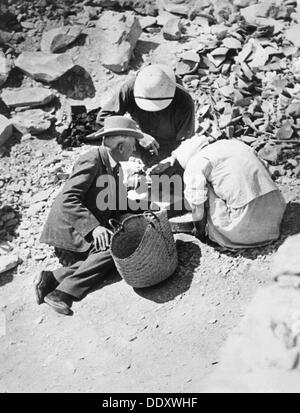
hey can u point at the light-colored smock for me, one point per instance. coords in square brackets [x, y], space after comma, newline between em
[245, 208]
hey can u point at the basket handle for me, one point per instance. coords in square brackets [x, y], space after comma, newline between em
[149, 212]
[116, 225]
[169, 245]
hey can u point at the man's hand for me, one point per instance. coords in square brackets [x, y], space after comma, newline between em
[102, 237]
[148, 142]
[161, 167]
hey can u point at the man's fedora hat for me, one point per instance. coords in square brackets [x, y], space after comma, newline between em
[117, 125]
[155, 87]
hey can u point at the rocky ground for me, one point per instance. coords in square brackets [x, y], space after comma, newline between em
[242, 67]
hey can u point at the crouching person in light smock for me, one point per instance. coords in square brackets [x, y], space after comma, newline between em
[230, 191]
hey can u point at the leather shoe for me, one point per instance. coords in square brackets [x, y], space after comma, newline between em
[60, 302]
[44, 284]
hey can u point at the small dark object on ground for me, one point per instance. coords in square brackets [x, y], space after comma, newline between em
[83, 123]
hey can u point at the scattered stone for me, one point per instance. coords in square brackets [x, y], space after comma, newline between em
[4, 69]
[163, 17]
[242, 3]
[26, 137]
[173, 29]
[285, 132]
[248, 139]
[6, 129]
[297, 171]
[189, 62]
[197, 10]
[293, 110]
[276, 171]
[5, 37]
[119, 34]
[292, 34]
[28, 25]
[44, 67]
[232, 43]
[271, 153]
[28, 97]
[91, 12]
[214, 321]
[259, 57]
[5, 247]
[59, 38]
[147, 21]
[34, 121]
[34, 209]
[8, 262]
[182, 7]
[254, 13]
[39, 320]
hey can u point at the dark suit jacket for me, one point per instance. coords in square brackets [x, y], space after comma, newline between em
[75, 214]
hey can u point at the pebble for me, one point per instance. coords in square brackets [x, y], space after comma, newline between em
[212, 321]
[39, 320]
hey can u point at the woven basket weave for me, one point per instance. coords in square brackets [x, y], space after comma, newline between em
[143, 249]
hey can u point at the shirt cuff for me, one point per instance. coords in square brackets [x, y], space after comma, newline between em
[195, 197]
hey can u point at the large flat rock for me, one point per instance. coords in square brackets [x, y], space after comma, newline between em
[44, 67]
[118, 35]
[32, 97]
[59, 38]
[34, 121]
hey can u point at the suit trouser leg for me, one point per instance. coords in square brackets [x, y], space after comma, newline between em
[82, 276]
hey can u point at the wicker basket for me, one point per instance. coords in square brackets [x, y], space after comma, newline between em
[143, 249]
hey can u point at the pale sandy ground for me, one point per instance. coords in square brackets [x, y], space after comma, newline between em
[163, 339]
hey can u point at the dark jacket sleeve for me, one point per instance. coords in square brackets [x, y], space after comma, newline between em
[185, 118]
[118, 104]
[84, 173]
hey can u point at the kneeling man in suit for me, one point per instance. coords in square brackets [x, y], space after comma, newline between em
[77, 225]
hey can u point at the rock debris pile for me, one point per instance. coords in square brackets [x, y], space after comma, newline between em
[239, 59]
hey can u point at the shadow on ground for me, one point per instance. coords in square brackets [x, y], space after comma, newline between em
[142, 49]
[80, 41]
[6, 278]
[76, 84]
[15, 78]
[290, 226]
[291, 219]
[189, 255]
[15, 139]
[112, 278]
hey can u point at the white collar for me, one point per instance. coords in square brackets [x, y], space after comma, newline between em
[112, 162]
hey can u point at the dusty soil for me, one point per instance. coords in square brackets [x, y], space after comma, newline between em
[163, 339]
[160, 339]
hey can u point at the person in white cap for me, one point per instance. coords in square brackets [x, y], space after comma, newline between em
[163, 110]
